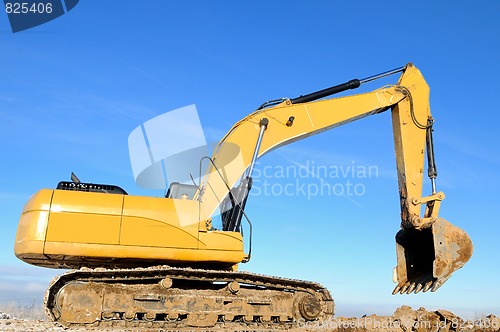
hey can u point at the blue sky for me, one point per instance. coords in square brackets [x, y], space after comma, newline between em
[72, 90]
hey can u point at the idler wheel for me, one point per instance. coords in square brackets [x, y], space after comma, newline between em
[308, 306]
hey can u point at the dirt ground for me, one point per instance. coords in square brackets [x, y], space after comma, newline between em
[403, 319]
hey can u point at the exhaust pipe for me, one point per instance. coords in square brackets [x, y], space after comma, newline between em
[428, 257]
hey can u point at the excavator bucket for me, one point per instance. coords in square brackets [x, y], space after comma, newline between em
[428, 257]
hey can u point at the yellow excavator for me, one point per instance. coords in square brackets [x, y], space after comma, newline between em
[158, 261]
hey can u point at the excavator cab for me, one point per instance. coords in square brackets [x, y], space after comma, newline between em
[428, 257]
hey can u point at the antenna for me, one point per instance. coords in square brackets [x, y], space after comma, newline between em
[75, 178]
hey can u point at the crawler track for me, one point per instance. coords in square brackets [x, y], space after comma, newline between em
[168, 297]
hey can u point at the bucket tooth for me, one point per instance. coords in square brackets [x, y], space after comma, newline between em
[411, 288]
[404, 288]
[419, 287]
[428, 257]
[427, 286]
[396, 290]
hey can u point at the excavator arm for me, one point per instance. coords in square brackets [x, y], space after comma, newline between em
[429, 249]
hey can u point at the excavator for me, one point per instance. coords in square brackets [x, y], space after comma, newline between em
[138, 261]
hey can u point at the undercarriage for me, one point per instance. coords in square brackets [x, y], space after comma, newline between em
[168, 297]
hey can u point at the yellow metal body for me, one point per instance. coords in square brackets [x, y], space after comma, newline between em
[72, 229]
[69, 229]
